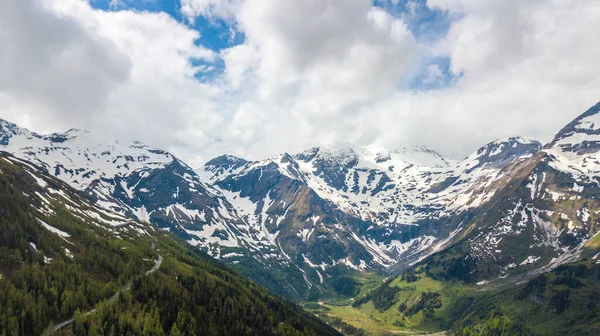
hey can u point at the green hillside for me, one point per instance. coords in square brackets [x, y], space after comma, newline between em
[565, 301]
[64, 270]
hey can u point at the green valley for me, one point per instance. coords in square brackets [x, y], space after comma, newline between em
[564, 301]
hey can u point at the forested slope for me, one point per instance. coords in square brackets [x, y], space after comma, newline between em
[61, 258]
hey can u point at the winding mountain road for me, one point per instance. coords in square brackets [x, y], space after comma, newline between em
[125, 288]
[157, 264]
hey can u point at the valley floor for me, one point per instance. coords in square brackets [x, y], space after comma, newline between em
[372, 322]
[367, 319]
[564, 301]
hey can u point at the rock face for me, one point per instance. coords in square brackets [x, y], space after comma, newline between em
[133, 180]
[299, 223]
[582, 135]
[542, 217]
[364, 207]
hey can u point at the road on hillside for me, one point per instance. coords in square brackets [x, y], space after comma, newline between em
[125, 288]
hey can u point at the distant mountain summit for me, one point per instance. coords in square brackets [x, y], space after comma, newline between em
[503, 151]
[371, 206]
[582, 135]
[402, 205]
[543, 215]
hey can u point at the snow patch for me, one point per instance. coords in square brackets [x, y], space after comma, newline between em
[529, 260]
[52, 229]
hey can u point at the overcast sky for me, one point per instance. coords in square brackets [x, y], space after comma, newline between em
[259, 77]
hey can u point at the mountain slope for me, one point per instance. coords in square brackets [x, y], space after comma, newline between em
[60, 254]
[545, 215]
[141, 183]
[364, 208]
[540, 219]
[561, 302]
[134, 180]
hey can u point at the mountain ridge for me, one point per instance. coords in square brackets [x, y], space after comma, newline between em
[307, 217]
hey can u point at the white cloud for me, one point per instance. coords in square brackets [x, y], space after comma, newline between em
[116, 4]
[309, 72]
[528, 68]
[322, 71]
[223, 9]
[434, 75]
[126, 74]
[45, 61]
[309, 65]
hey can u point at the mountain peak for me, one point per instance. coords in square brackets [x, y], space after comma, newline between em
[339, 153]
[423, 155]
[344, 153]
[5, 124]
[220, 165]
[582, 135]
[75, 132]
[502, 150]
[8, 130]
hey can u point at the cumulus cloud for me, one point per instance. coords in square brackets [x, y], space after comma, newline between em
[46, 61]
[125, 74]
[308, 72]
[323, 71]
[223, 9]
[308, 80]
[528, 69]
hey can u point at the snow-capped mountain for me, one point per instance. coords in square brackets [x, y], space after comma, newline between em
[510, 208]
[147, 184]
[390, 188]
[582, 135]
[49, 196]
[297, 222]
[364, 207]
[133, 180]
[545, 215]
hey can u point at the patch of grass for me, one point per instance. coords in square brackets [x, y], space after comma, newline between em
[369, 281]
[448, 297]
[370, 319]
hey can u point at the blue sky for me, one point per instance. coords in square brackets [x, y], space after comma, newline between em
[427, 26]
[215, 33]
